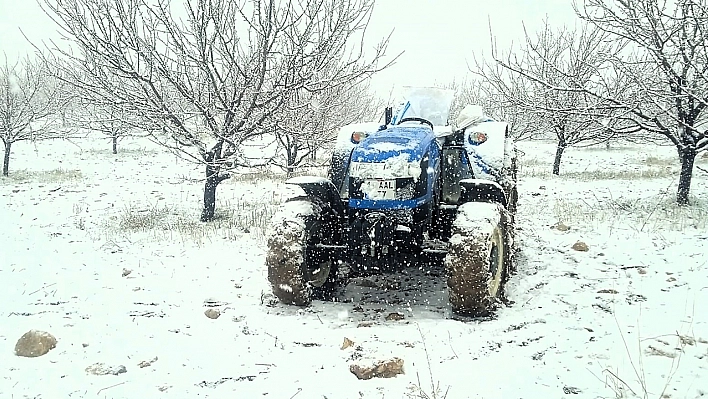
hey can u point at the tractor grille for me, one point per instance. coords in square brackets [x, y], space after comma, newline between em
[405, 188]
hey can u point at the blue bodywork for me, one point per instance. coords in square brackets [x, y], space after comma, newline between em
[418, 142]
[411, 140]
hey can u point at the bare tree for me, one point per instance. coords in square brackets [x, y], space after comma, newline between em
[310, 121]
[669, 75]
[213, 80]
[30, 103]
[109, 119]
[561, 58]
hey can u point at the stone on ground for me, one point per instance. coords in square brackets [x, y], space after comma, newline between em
[581, 246]
[35, 343]
[103, 369]
[382, 369]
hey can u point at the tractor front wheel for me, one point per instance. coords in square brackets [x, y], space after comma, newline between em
[478, 259]
[299, 266]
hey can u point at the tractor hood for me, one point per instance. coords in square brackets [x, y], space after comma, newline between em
[409, 142]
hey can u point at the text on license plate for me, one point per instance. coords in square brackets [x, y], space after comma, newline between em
[381, 189]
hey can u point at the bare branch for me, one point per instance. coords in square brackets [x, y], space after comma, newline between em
[215, 79]
[31, 105]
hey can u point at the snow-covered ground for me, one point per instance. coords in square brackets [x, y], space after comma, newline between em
[104, 252]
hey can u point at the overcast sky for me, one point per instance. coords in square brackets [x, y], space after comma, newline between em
[24, 14]
[438, 37]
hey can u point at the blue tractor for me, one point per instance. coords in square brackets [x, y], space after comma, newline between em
[413, 185]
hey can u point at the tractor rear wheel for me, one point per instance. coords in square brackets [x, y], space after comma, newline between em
[479, 258]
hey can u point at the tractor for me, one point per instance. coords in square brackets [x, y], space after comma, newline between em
[415, 184]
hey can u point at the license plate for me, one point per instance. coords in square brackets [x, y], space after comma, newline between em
[380, 189]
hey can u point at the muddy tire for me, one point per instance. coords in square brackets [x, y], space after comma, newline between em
[479, 258]
[298, 270]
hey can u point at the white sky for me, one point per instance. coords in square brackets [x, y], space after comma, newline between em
[27, 15]
[439, 37]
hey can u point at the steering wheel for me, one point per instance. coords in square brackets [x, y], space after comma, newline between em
[416, 119]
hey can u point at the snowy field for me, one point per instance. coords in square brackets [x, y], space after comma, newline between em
[105, 253]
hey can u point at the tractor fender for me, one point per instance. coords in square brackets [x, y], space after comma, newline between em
[339, 166]
[480, 190]
[490, 156]
[320, 188]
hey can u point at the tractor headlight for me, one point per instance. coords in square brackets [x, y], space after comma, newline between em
[477, 138]
[358, 136]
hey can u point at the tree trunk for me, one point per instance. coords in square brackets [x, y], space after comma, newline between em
[115, 143]
[6, 159]
[557, 161]
[688, 156]
[291, 155]
[209, 195]
[213, 178]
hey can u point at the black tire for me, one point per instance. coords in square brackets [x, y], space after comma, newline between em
[511, 187]
[478, 260]
[298, 270]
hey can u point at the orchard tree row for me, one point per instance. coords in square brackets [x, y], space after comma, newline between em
[209, 79]
[203, 80]
[632, 70]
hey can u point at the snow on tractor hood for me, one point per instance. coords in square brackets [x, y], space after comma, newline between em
[392, 142]
[394, 152]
